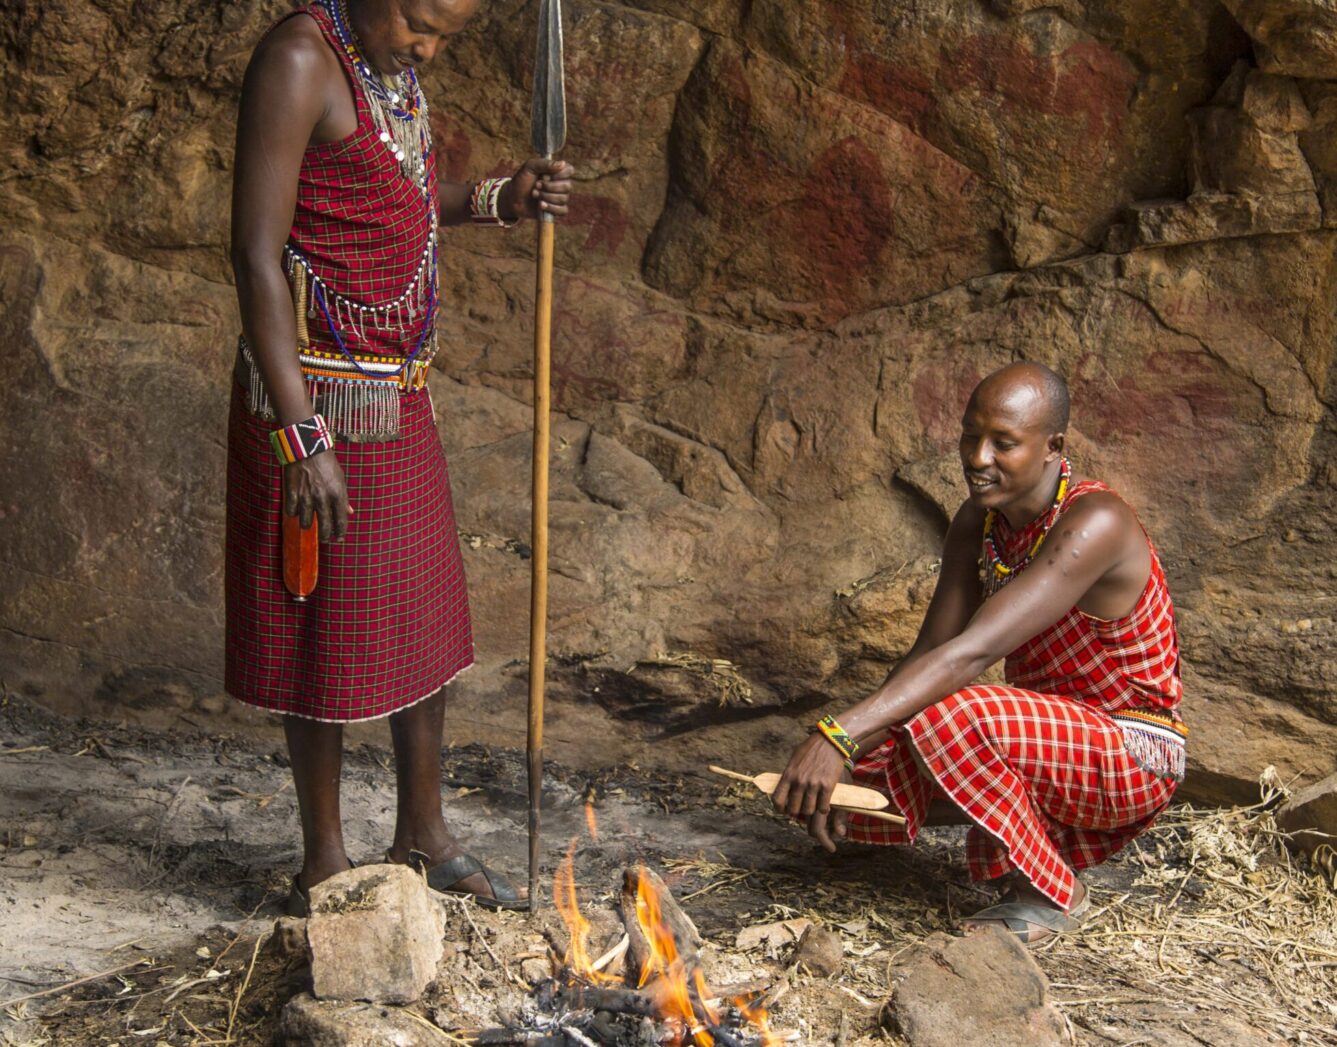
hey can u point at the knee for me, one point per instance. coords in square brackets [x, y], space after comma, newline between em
[968, 705]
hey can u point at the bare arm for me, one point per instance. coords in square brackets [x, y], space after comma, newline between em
[1091, 543]
[956, 598]
[283, 104]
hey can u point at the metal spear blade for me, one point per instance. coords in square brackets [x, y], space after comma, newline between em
[548, 117]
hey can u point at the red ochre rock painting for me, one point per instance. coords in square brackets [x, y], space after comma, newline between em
[1085, 80]
[454, 150]
[840, 243]
[606, 217]
[905, 94]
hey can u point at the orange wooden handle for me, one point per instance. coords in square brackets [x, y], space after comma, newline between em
[301, 555]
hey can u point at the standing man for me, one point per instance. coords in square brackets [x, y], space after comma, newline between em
[335, 213]
[1084, 746]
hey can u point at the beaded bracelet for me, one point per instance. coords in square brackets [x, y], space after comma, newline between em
[839, 737]
[483, 202]
[301, 440]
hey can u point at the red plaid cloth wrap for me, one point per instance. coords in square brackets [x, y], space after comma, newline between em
[360, 222]
[1039, 765]
[388, 623]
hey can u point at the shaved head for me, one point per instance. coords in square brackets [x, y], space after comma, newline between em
[1031, 391]
[1012, 437]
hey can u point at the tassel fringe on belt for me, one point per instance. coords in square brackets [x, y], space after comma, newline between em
[1155, 740]
[358, 397]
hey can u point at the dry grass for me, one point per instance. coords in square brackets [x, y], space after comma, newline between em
[1218, 920]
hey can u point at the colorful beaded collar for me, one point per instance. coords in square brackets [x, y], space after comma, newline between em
[997, 573]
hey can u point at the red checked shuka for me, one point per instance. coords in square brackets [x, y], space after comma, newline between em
[1066, 764]
[388, 623]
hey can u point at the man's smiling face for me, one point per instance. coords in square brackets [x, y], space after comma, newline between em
[1006, 442]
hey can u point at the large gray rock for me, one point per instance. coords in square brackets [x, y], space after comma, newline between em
[375, 934]
[983, 990]
[308, 1022]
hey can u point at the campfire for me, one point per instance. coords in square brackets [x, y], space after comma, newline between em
[647, 990]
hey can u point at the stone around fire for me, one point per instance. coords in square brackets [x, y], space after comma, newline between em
[308, 1022]
[375, 934]
[986, 983]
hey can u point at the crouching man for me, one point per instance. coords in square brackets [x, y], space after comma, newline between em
[1084, 746]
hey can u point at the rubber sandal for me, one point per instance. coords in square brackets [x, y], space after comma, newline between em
[298, 902]
[444, 876]
[1022, 917]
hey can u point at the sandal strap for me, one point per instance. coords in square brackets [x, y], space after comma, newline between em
[447, 874]
[1017, 915]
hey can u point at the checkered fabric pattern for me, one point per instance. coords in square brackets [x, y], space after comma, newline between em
[359, 221]
[1038, 765]
[1124, 664]
[388, 623]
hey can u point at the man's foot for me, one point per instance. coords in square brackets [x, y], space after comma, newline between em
[1029, 914]
[451, 871]
[298, 902]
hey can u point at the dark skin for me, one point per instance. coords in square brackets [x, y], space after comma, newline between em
[1095, 559]
[296, 95]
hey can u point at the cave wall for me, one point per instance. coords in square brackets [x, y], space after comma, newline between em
[804, 229]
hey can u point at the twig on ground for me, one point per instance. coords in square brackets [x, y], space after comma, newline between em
[70, 985]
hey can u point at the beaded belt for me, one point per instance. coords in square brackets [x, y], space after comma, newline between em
[359, 396]
[1156, 740]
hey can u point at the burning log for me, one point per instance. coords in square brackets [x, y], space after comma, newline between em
[647, 904]
[663, 999]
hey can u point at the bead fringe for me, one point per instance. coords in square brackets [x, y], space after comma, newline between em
[1154, 753]
[357, 411]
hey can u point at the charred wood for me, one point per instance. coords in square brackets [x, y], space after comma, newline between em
[685, 935]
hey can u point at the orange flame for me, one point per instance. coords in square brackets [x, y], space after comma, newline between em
[664, 972]
[758, 1017]
[590, 823]
[665, 965]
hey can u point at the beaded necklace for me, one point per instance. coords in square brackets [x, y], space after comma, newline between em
[397, 105]
[996, 573]
[399, 112]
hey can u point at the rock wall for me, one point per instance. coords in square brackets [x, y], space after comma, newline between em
[805, 228]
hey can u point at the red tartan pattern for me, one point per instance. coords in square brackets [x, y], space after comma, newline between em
[1124, 664]
[388, 623]
[359, 222]
[1045, 777]
[1046, 780]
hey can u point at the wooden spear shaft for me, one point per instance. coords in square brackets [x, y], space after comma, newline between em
[538, 596]
[547, 135]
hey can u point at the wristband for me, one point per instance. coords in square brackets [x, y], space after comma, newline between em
[483, 202]
[837, 736]
[301, 440]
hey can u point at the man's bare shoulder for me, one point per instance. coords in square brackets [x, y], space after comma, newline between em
[1103, 510]
[294, 56]
[968, 517]
[964, 534]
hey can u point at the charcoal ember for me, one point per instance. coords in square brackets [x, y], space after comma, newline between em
[593, 998]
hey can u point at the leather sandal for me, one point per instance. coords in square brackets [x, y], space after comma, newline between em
[444, 876]
[1021, 918]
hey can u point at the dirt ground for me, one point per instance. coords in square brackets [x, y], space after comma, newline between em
[155, 859]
